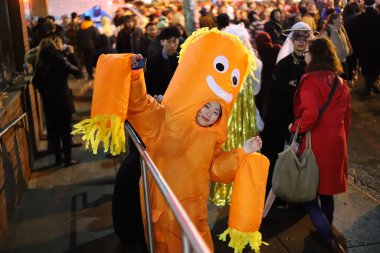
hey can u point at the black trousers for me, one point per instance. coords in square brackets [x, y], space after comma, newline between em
[89, 56]
[126, 208]
[58, 127]
[272, 145]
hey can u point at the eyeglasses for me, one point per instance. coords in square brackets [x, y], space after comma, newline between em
[306, 52]
[300, 38]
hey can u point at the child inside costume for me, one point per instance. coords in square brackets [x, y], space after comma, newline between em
[212, 68]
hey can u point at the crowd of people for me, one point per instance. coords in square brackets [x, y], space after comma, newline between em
[300, 49]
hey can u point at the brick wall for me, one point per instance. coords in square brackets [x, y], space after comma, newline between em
[23, 26]
[14, 159]
[20, 41]
[39, 8]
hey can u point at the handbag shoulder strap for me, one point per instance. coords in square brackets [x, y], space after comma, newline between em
[308, 140]
[331, 94]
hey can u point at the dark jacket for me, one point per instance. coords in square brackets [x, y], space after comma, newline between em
[129, 41]
[159, 72]
[275, 31]
[364, 36]
[278, 111]
[87, 36]
[53, 69]
[144, 45]
[268, 54]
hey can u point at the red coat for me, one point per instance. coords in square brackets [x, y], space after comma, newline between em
[329, 134]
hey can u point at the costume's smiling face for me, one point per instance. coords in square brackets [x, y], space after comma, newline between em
[221, 65]
[212, 68]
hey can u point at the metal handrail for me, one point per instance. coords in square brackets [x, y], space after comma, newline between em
[190, 235]
[6, 129]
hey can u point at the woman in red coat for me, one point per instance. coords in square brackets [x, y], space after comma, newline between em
[329, 132]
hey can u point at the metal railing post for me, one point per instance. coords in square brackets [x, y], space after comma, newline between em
[148, 209]
[185, 243]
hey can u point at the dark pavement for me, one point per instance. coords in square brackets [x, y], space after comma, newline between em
[69, 209]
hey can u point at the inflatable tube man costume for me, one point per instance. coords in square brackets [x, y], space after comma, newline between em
[212, 67]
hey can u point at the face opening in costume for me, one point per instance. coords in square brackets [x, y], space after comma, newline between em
[209, 114]
[221, 65]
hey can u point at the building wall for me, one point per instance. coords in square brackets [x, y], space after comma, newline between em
[39, 8]
[14, 159]
[19, 35]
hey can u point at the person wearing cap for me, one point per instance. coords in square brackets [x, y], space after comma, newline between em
[278, 108]
[365, 41]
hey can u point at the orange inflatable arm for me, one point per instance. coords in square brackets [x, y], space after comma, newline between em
[117, 91]
[248, 196]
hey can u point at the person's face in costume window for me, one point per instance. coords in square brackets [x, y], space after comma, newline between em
[208, 114]
[170, 45]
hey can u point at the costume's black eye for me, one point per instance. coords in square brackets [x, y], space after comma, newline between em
[221, 64]
[235, 77]
[219, 67]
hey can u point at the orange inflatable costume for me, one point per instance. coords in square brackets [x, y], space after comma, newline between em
[212, 67]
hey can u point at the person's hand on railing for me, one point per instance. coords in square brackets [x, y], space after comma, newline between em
[252, 145]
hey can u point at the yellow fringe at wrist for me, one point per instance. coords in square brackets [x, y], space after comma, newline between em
[240, 239]
[108, 129]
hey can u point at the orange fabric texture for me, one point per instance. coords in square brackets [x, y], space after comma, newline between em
[246, 209]
[111, 85]
[109, 105]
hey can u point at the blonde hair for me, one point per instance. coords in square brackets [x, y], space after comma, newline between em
[48, 42]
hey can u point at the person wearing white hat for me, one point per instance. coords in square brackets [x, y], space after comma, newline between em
[278, 107]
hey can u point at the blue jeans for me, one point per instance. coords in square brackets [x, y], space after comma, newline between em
[322, 215]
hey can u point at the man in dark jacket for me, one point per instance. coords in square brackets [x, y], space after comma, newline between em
[161, 67]
[87, 38]
[146, 40]
[364, 35]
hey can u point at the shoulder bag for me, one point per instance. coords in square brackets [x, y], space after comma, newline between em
[295, 179]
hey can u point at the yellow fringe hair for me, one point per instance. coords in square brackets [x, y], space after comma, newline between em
[105, 128]
[240, 239]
